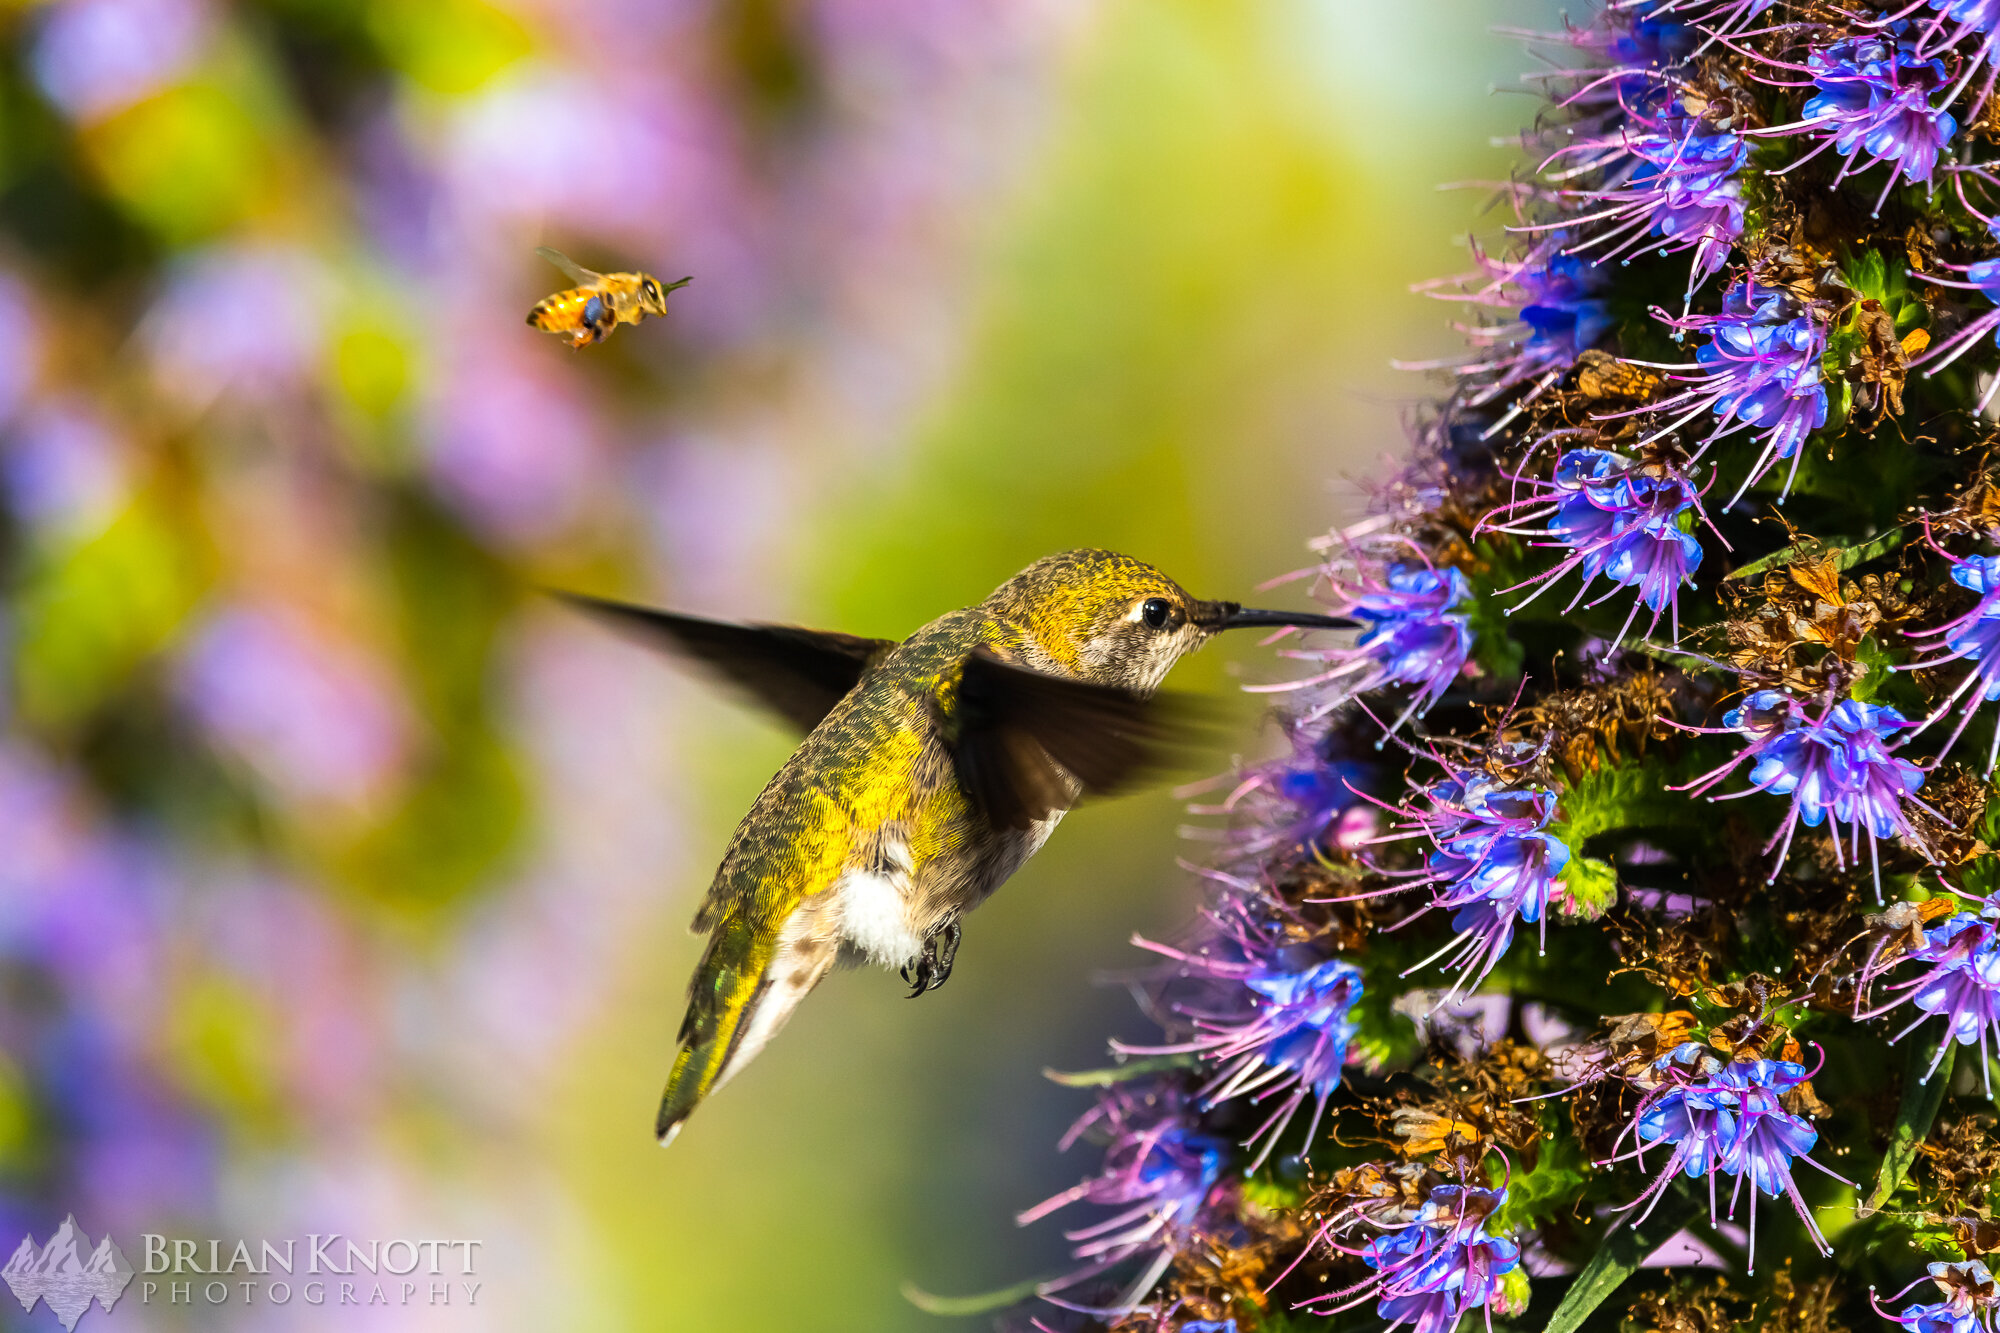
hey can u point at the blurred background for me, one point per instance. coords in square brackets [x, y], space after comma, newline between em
[343, 878]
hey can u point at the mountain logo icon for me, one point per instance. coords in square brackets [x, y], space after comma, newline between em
[61, 1276]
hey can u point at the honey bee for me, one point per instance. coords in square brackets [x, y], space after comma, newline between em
[599, 302]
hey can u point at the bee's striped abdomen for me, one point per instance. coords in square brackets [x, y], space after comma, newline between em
[579, 314]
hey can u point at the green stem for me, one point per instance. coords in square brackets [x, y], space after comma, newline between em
[1921, 1099]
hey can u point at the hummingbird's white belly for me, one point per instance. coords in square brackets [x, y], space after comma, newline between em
[885, 912]
[875, 916]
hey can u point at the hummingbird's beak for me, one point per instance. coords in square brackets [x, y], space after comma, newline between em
[1215, 616]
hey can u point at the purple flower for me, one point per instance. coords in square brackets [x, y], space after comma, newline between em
[65, 468]
[1873, 98]
[1629, 47]
[1639, 36]
[1969, 1301]
[1309, 801]
[1982, 277]
[1716, 17]
[1159, 1170]
[1432, 1271]
[1414, 636]
[515, 447]
[1275, 1016]
[320, 721]
[1975, 15]
[1761, 368]
[1668, 175]
[1556, 313]
[1725, 1118]
[1492, 865]
[1618, 519]
[1962, 953]
[1839, 765]
[1956, 21]
[97, 57]
[245, 320]
[1972, 638]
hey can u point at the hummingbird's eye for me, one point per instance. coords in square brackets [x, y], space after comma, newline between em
[1155, 611]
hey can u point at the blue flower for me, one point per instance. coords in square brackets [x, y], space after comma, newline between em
[1984, 278]
[1873, 99]
[1555, 300]
[1837, 765]
[1714, 17]
[1761, 369]
[1414, 631]
[1979, 15]
[1961, 983]
[1971, 638]
[1671, 177]
[1493, 866]
[1561, 306]
[1968, 1306]
[1728, 1119]
[1273, 1015]
[1308, 801]
[1430, 1272]
[1414, 635]
[1617, 519]
[1956, 22]
[1159, 1170]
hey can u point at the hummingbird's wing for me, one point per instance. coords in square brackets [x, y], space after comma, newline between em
[1027, 743]
[799, 674]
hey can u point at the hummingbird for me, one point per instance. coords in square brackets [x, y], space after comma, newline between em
[931, 770]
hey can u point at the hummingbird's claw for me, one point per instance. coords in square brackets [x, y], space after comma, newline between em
[945, 944]
[933, 967]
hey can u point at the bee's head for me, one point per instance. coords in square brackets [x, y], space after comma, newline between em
[1113, 620]
[653, 293]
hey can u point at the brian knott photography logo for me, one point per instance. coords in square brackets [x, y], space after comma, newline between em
[58, 1274]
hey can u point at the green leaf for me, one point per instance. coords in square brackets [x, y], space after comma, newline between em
[1556, 1181]
[1880, 682]
[1589, 888]
[1273, 1195]
[1867, 273]
[1921, 1100]
[1620, 1256]
[984, 1303]
[1844, 557]
[1493, 647]
[1631, 794]
[1131, 1069]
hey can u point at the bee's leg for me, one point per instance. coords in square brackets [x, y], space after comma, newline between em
[933, 967]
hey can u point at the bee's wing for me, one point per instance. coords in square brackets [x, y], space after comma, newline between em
[799, 674]
[1025, 744]
[576, 272]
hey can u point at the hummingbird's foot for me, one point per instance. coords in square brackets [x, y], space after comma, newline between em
[933, 967]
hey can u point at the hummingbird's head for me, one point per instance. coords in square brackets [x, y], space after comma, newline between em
[1113, 620]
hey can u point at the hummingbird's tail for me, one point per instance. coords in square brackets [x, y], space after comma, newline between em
[739, 1000]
